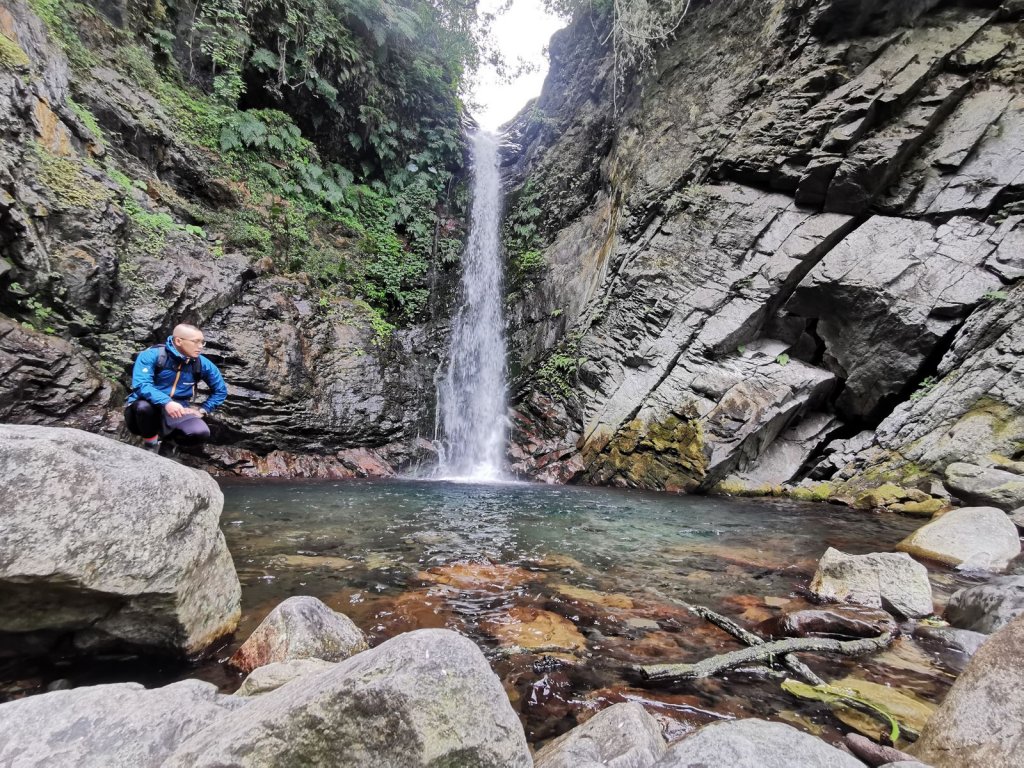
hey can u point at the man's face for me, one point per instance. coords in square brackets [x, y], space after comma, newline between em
[190, 344]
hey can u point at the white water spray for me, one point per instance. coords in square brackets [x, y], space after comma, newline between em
[471, 392]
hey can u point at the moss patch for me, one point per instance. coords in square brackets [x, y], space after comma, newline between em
[65, 179]
[11, 55]
[667, 455]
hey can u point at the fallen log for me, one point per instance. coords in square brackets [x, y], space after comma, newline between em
[762, 652]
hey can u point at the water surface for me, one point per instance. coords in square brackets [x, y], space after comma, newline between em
[594, 573]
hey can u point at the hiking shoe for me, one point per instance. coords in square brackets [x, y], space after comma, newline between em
[153, 446]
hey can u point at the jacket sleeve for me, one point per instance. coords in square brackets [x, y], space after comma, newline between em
[218, 389]
[142, 378]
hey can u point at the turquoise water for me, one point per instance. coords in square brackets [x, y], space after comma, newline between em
[589, 575]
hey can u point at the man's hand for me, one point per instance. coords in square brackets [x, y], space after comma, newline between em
[175, 410]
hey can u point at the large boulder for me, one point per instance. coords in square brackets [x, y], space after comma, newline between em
[425, 698]
[987, 607]
[985, 486]
[981, 720]
[108, 725]
[110, 545]
[878, 580]
[969, 537]
[301, 627]
[622, 736]
[754, 744]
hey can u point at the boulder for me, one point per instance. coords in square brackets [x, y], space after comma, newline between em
[879, 580]
[110, 545]
[985, 486]
[830, 621]
[981, 720]
[424, 698]
[754, 744]
[987, 607]
[969, 537]
[623, 736]
[301, 627]
[273, 676]
[108, 725]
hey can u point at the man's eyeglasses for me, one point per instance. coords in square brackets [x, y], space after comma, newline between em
[197, 342]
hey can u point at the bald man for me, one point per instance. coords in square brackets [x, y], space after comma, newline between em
[164, 381]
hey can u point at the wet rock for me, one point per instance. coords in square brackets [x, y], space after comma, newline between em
[879, 580]
[272, 676]
[969, 537]
[301, 627]
[906, 708]
[981, 720]
[608, 600]
[623, 735]
[534, 629]
[963, 641]
[109, 725]
[491, 577]
[837, 621]
[984, 486]
[111, 545]
[425, 698]
[987, 607]
[754, 744]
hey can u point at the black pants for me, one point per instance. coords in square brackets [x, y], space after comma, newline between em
[147, 420]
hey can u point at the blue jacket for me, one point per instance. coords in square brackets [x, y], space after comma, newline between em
[175, 380]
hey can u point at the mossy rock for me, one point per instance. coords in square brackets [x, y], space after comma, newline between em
[816, 492]
[887, 495]
[926, 508]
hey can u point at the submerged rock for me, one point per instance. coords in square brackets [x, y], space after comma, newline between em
[110, 545]
[987, 607]
[981, 720]
[425, 698]
[890, 580]
[754, 744]
[623, 736]
[969, 537]
[534, 629]
[831, 621]
[301, 627]
[109, 725]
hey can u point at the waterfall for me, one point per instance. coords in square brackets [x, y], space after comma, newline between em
[471, 391]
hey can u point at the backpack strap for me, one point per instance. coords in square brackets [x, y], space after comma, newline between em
[197, 365]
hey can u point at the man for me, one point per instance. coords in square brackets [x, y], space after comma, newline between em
[164, 381]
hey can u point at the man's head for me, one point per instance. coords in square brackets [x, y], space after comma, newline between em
[188, 340]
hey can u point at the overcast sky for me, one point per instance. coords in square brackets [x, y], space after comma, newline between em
[523, 31]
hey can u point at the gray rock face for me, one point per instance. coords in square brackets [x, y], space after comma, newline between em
[985, 486]
[692, 254]
[301, 627]
[425, 698]
[884, 299]
[754, 744]
[987, 607]
[964, 641]
[981, 720]
[272, 676]
[621, 736]
[108, 725]
[111, 545]
[969, 537]
[893, 581]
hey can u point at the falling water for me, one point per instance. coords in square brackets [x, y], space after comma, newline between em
[471, 392]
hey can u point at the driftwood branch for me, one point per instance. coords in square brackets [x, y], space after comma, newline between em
[763, 652]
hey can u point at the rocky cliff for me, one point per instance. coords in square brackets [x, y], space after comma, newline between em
[791, 253]
[116, 223]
